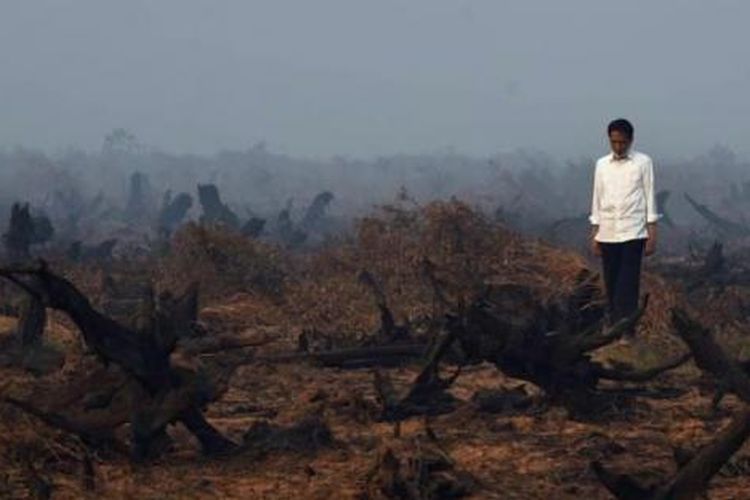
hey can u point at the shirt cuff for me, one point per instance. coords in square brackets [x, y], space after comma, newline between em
[651, 218]
[594, 220]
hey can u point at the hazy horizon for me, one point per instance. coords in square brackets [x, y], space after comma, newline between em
[363, 79]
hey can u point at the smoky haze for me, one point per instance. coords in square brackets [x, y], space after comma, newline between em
[366, 78]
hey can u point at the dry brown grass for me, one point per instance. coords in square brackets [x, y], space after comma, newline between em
[221, 262]
[465, 250]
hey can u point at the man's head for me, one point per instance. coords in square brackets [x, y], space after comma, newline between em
[620, 134]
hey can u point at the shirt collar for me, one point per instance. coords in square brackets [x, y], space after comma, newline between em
[628, 156]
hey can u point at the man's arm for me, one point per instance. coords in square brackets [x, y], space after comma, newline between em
[595, 199]
[651, 209]
[594, 217]
[595, 248]
[652, 215]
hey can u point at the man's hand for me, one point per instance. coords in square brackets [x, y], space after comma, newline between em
[651, 241]
[596, 249]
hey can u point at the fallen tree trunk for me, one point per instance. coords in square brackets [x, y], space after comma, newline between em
[354, 357]
[710, 357]
[163, 394]
[549, 344]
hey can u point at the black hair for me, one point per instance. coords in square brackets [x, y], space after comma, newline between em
[621, 125]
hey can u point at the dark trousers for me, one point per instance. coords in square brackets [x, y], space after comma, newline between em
[621, 265]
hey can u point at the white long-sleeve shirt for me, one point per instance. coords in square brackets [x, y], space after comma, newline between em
[623, 201]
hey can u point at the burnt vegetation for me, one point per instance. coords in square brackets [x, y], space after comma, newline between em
[423, 349]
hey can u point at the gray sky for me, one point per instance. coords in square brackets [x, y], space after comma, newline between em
[370, 77]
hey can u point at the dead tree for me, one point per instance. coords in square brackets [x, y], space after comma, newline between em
[214, 210]
[316, 211]
[27, 349]
[720, 224]
[139, 196]
[173, 212]
[290, 235]
[709, 269]
[20, 233]
[548, 344]
[693, 476]
[711, 358]
[24, 230]
[162, 393]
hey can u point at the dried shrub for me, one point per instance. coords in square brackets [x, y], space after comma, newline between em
[464, 250]
[222, 262]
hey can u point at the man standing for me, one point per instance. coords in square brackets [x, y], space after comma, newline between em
[623, 218]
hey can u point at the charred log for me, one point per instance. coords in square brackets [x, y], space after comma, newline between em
[549, 344]
[166, 394]
[711, 358]
[358, 357]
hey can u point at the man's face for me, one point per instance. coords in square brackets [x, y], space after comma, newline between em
[619, 142]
